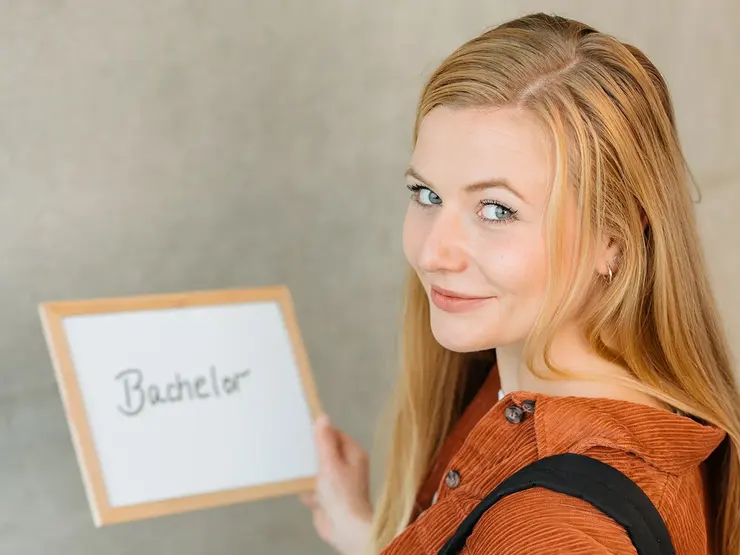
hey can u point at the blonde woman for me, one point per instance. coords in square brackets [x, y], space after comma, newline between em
[557, 302]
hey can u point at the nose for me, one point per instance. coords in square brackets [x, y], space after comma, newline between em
[444, 248]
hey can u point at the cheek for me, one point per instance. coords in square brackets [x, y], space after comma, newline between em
[516, 266]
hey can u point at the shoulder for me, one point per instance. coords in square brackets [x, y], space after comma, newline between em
[540, 521]
[661, 452]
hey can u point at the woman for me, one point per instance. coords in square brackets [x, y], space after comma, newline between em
[551, 241]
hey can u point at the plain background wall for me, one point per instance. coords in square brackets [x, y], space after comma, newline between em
[152, 146]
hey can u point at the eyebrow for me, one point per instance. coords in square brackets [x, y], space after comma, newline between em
[472, 187]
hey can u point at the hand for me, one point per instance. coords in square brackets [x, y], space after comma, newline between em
[341, 507]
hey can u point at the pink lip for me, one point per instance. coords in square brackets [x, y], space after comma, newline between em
[451, 301]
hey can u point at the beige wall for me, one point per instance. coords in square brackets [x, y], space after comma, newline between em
[155, 145]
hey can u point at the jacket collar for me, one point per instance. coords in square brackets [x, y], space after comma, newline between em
[666, 440]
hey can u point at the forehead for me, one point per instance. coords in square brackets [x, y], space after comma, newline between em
[456, 147]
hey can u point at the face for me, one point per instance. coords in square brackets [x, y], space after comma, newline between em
[474, 230]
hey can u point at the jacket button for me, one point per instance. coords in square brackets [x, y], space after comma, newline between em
[528, 406]
[514, 414]
[452, 479]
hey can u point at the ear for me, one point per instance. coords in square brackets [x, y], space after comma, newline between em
[607, 257]
[643, 219]
[609, 250]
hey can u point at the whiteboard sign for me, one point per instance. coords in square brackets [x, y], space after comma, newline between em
[184, 401]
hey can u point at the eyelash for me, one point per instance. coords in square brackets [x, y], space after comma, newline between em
[416, 188]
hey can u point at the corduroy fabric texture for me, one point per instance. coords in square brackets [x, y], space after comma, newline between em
[660, 451]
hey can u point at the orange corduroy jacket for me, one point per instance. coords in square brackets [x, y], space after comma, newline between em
[662, 452]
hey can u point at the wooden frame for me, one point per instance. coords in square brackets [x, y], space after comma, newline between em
[52, 314]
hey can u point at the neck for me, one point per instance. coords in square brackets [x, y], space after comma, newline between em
[570, 352]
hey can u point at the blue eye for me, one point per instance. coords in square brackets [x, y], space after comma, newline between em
[491, 212]
[424, 195]
[429, 197]
[495, 212]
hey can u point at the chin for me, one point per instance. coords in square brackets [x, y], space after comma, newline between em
[462, 338]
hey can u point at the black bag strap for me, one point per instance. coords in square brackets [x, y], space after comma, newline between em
[605, 487]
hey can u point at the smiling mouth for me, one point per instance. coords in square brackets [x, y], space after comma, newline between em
[450, 301]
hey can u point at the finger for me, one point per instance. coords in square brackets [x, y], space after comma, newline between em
[351, 451]
[322, 525]
[326, 442]
[310, 500]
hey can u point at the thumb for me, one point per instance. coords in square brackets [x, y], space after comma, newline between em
[327, 443]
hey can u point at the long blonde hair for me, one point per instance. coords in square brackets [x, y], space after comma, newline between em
[609, 115]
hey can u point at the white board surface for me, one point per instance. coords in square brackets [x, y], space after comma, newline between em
[191, 400]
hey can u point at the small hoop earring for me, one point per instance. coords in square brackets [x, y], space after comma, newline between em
[608, 266]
